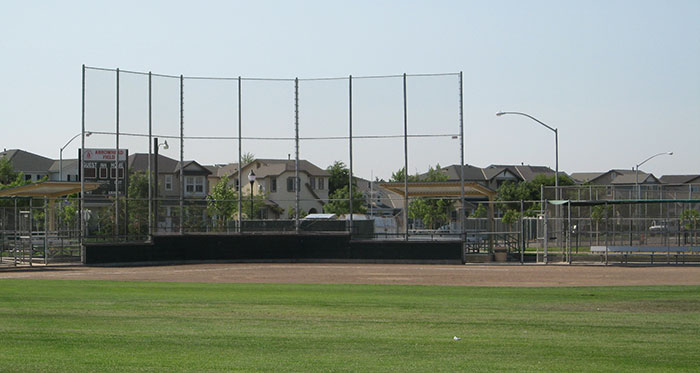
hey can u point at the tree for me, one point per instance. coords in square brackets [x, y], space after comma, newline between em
[339, 203]
[292, 212]
[597, 214]
[529, 191]
[689, 219]
[138, 203]
[339, 177]
[400, 176]
[222, 203]
[510, 217]
[247, 158]
[7, 174]
[432, 212]
[480, 211]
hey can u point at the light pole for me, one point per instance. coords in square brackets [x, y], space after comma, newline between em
[60, 154]
[251, 179]
[156, 146]
[556, 146]
[636, 172]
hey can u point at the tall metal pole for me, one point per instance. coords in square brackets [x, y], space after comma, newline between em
[116, 171]
[182, 154]
[155, 181]
[557, 193]
[240, 159]
[405, 160]
[350, 148]
[150, 152]
[296, 159]
[461, 158]
[83, 223]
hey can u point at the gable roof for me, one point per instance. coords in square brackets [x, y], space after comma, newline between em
[273, 167]
[452, 172]
[680, 179]
[584, 177]
[27, 162]
[493, 171]
[166, 165]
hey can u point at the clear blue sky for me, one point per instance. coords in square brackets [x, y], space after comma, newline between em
[620, 79]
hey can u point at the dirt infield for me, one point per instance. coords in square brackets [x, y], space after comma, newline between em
[397, 274]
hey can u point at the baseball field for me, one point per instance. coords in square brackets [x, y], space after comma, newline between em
[350, 317]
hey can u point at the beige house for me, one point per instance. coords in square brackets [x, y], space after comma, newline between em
[275, 180]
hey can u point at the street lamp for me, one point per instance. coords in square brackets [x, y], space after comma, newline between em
[251, 178]
[60, 154]
[556, 146]
[636, 172]
[156, 146]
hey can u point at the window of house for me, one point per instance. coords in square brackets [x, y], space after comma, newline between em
[273, 184]
[312, 182]
[290, 184]
[194, 184]
[27, 177]
[320, 183]
[235, 184]
[168, 182]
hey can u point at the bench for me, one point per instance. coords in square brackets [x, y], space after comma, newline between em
[650, 250]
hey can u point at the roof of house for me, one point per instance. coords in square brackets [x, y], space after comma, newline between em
[67, 164]
[452, 172]
[27, 162]
[679, 179]
[139, 162]
[273, 167]
[584, 177]
[494, 170]
[622, 177]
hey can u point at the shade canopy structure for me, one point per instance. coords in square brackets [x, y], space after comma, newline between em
[49, 189]
[439, 189]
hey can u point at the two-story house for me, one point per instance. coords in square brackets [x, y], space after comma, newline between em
[195, 183]
[274, 178]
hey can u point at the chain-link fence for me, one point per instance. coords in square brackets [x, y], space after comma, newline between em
[39, 231]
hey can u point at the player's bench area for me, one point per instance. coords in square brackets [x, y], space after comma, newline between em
[653, 251]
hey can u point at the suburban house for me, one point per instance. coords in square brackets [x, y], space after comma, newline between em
[615, 177]
[681, 186]
[275, 180]
[380, 202]
[34, 166]
[168, 179]
[494, 176]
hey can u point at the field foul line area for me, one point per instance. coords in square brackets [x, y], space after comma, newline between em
[395, 274]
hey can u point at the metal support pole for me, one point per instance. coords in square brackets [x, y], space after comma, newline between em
[46, 231]
[568, 233]
[155, 182]
[150, 153]
[240, 159]
[350, 189]
[297, 184]
[17, 231]
[182, 154]
[83, 223]
[546, 235]
[116, 171]
[522, 233]
[461, 159]
[405, 156]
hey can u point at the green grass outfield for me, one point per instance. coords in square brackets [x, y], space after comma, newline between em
[147, 326]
